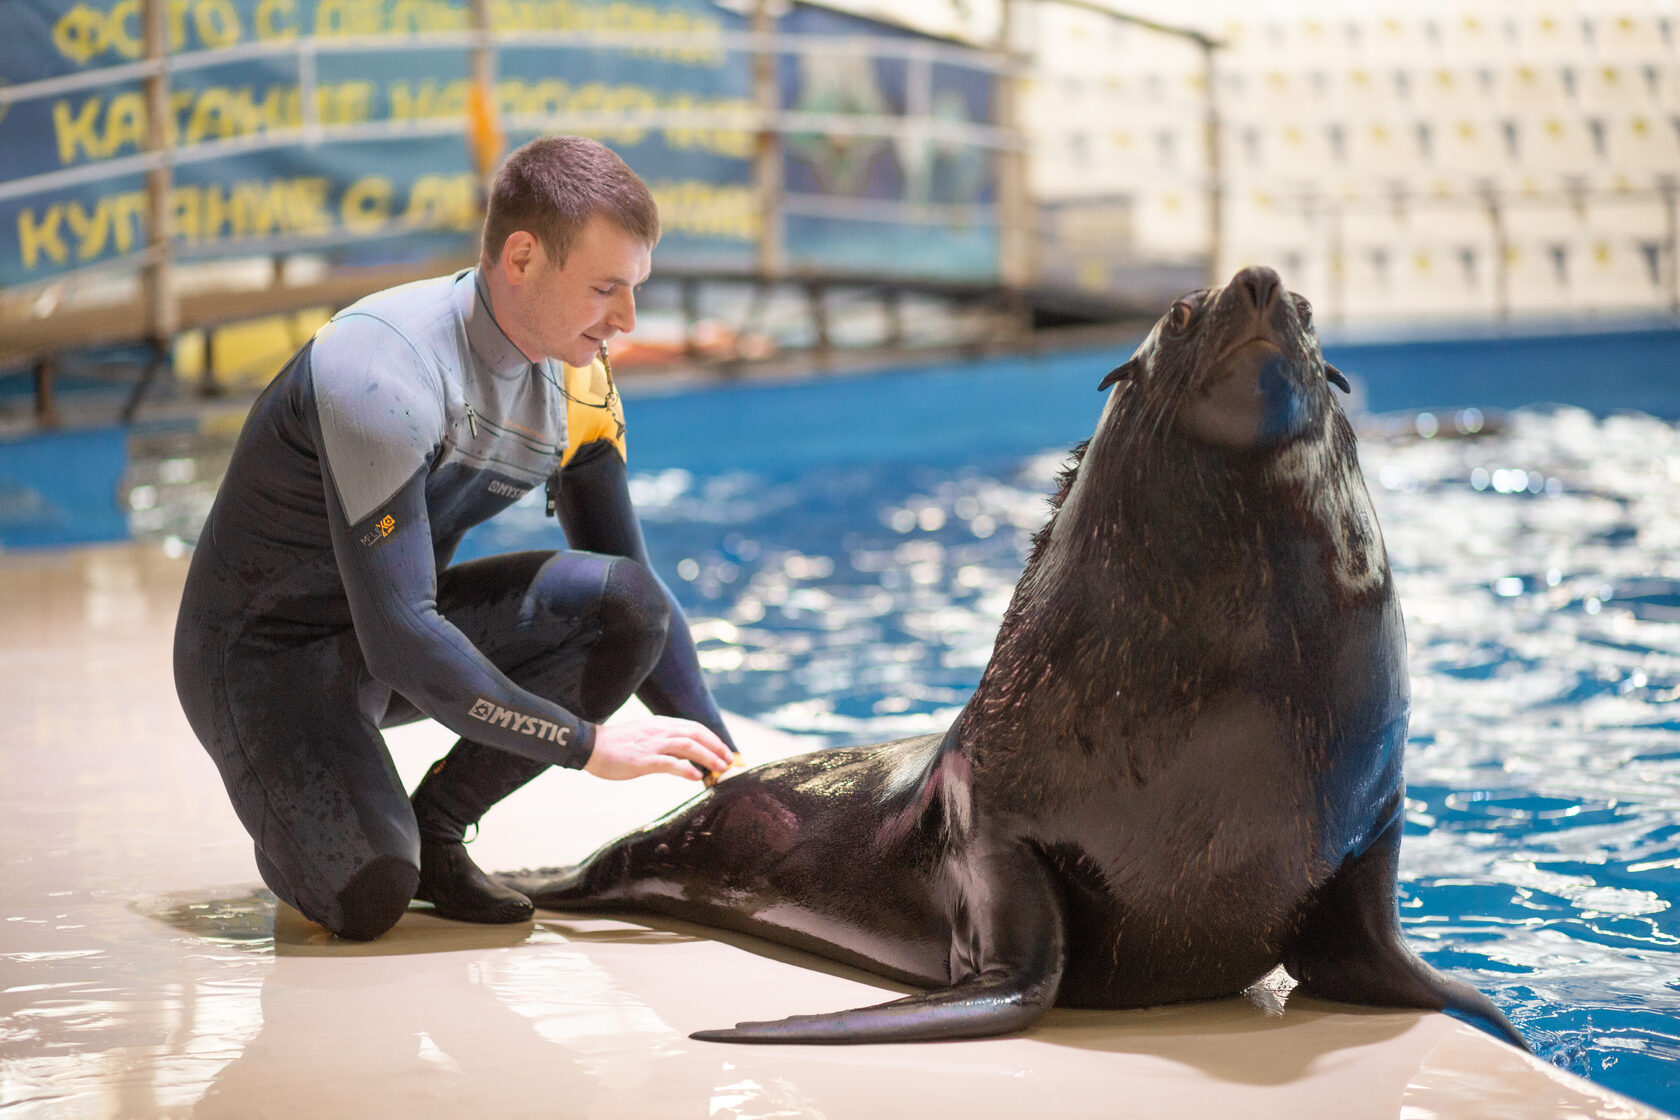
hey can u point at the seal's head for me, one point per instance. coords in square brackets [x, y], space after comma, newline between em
[1236, 367]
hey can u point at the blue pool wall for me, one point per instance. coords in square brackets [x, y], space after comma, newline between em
[1019, 404]
[64, 488]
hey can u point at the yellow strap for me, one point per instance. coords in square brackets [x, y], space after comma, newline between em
[593, 410]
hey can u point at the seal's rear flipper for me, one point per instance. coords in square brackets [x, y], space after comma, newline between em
[1349, 947]
[1008, 945]
[976, 1008]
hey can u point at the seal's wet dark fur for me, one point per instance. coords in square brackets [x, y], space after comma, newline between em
[1180, 768]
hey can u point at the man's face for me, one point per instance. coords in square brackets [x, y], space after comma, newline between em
[567, 311]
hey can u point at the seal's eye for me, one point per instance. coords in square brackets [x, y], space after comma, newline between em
[1304, 309]
[1179, 317]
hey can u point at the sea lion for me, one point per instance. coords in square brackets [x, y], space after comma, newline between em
[1181, 767]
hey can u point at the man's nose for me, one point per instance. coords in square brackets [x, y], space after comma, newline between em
[621, 317]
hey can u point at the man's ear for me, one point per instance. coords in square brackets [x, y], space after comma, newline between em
[519, 252]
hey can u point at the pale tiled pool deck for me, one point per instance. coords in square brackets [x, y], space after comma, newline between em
[144, 974]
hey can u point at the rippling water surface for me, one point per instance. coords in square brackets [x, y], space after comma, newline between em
[1539, 570]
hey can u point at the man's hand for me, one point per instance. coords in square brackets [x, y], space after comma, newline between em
[658, 745]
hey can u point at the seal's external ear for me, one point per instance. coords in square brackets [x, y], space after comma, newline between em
[1336, 378]
[1119, 373]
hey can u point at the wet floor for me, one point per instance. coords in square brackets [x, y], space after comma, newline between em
[144, 972]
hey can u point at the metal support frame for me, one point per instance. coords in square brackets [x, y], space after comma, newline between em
[816, 302]
[1017, 235]
[1215, 165]
[1670, 254]
[690, 296]
[157, 277]
[767, 155]
[892, 300]
[46, 399]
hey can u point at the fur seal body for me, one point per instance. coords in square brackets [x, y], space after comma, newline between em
[1181, 767]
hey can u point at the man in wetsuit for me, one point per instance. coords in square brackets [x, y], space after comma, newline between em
[321, 604]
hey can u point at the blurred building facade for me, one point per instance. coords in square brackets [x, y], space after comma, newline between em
[1478, 160]
[1470, 160]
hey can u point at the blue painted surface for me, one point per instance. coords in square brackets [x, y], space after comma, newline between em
[1017, 405]
[1012, 405]
[61, 488]
[1603, 372]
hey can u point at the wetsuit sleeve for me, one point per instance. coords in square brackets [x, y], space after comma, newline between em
[593, 504]
[379, 418]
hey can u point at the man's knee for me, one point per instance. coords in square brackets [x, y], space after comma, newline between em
[373, 900]
[633, 605]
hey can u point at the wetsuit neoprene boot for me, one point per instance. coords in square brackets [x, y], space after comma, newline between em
[455, 792]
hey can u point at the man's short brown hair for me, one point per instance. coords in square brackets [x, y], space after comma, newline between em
[554, 185]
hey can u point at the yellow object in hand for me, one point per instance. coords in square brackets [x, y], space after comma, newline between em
[713, 777]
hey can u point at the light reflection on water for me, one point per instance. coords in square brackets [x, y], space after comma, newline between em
[1537, 566]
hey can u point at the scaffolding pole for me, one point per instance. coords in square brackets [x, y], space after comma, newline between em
[767, 155]
[162, 311]
[1017, 258]
[1215, 164]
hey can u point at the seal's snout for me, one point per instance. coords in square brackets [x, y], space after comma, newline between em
[1253, 380]
[1261, 285]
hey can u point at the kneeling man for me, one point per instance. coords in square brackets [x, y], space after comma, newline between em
[321, 604]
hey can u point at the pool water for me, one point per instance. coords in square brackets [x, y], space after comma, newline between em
[855, 599]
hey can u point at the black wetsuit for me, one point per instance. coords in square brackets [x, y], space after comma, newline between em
[321, 606]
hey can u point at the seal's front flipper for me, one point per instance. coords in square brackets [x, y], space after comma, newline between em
[1008, 951]
[591, 885]
[1349, 947]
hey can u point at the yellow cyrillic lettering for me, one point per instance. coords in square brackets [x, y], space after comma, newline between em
[367, 204]
[183, 202]
[177, 13]
[443, 202]
[217, 213]
[423, 100]
[268, 18]
[181, 102]
[79, 34]
[259, 208]
[218, 23]
[117, 34]
[282, 107]
[211, 117]
[344, 102]
[703, 210]
[307, 205]
[347, 17]
[88, 229]
[408, 16]
[355, 102]
[128, 217]
[125, 123]
[36, 238]
[78, 131]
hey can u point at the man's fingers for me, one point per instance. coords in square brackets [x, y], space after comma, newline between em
[702, 754]
[669, 764]
[709, 737]
[697, 743]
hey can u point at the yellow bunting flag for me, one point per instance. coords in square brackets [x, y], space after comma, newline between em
[484, 130]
